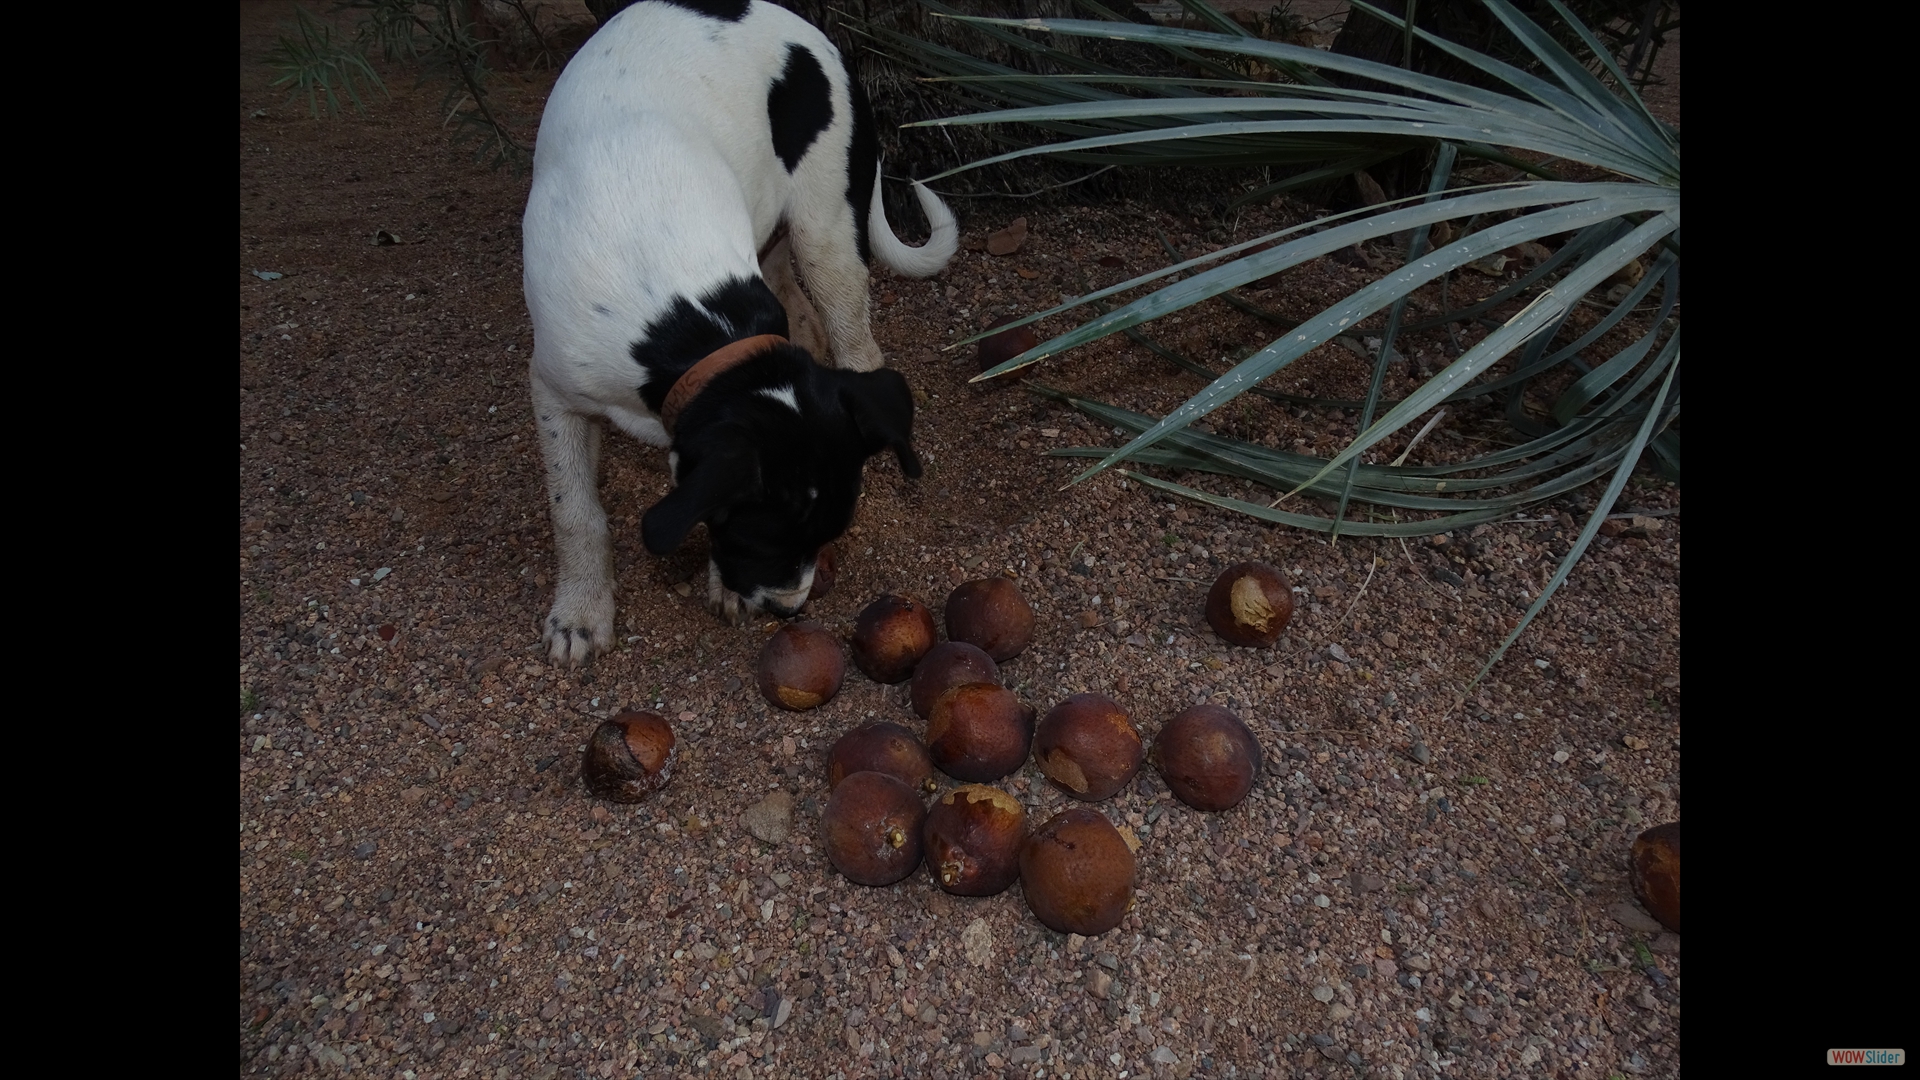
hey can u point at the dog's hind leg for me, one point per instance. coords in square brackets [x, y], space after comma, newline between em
[804, 327]
[823, 245]
[581, 622]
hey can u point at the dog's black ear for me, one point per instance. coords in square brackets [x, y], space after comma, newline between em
[721, 478]
[882, 411]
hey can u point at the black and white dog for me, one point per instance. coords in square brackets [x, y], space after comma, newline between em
[686, 144]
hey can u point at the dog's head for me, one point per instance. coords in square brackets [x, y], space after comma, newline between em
[770, 456]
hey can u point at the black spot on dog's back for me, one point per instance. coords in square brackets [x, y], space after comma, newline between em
[862, 155]
[677, 338]
[729, 10]
[799, 106]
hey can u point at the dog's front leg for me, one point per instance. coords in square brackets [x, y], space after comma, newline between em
[581, 622]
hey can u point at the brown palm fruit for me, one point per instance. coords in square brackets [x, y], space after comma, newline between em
[800, 667]
[871, 828]
[997, 349]
[1249, 604]
[974, 835]
[979, 732]
[1077, 872]
[992, 614]
[1088, 747]
[1656, 873]
[826, 571]
[890, 636]
[629, 757]
[1207, 757]
[950, 664]
[881, 747]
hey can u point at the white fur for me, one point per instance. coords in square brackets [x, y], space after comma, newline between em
[781, 394]
[654, 178]
[735, 608]
[919, 262]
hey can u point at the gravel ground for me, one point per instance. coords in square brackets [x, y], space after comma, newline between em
[1424, 883]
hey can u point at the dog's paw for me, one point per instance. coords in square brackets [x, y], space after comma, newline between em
[730, 606]
[578, 627]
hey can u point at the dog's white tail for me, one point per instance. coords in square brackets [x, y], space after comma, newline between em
[918, 262]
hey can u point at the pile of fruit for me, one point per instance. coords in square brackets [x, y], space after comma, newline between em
[1076, 869]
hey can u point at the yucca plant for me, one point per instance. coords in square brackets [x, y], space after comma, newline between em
[1616, 405]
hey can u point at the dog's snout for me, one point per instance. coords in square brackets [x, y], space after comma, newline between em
[787, 602]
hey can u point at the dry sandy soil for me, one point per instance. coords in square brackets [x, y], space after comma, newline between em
[1423, 884]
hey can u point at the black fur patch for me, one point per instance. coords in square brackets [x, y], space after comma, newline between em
[862, 154]
[799, 106]
[676, 339]
[728, 10]
[773, 485]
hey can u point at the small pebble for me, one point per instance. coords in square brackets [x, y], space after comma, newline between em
[1629, 915]
[977, 940]
[770, 819]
